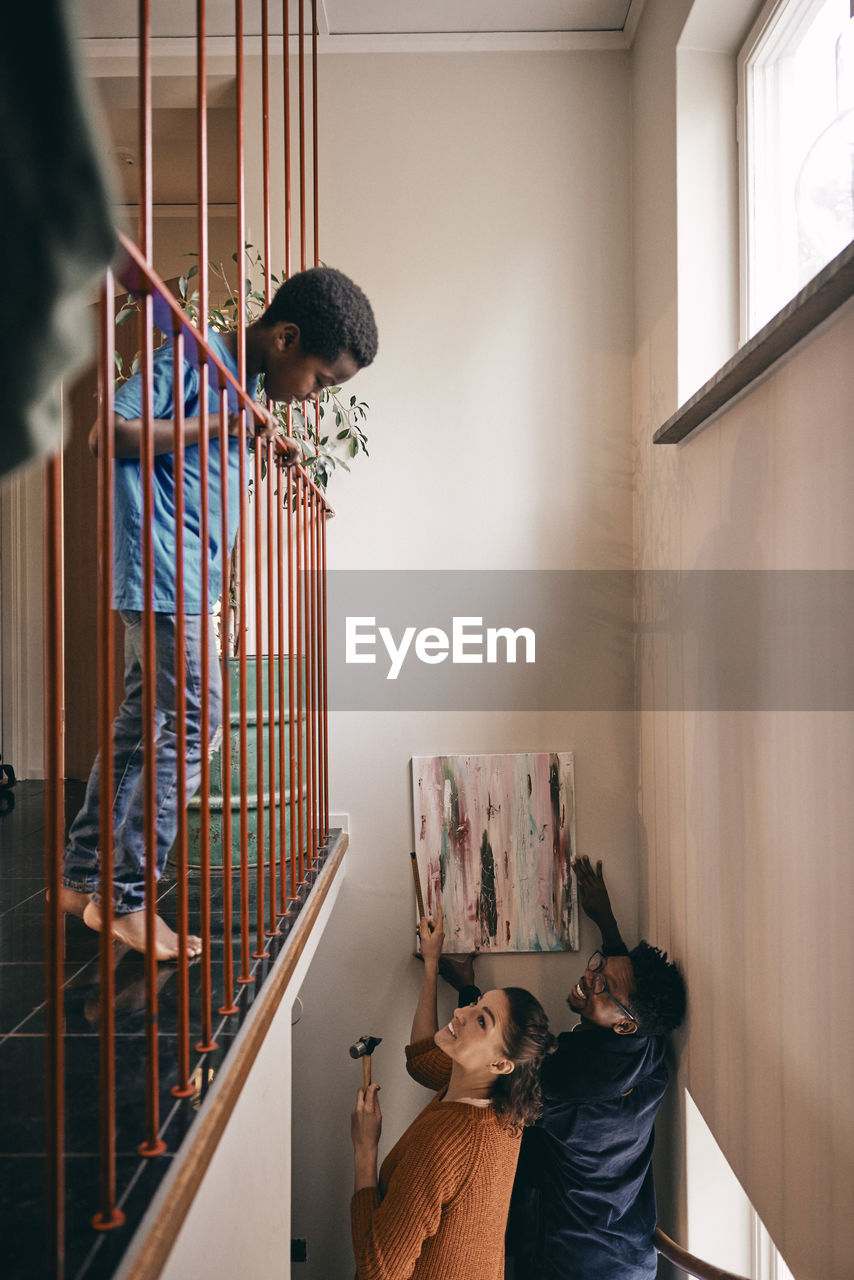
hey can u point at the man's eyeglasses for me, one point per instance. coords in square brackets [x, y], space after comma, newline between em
[597, 984]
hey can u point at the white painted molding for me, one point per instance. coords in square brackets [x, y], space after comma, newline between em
[632, 20]
[111, 49]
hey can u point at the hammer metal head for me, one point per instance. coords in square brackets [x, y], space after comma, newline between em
[364, 1046]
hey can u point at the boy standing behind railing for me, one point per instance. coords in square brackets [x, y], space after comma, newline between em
[318, 331]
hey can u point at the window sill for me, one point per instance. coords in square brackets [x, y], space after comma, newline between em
[808, 309]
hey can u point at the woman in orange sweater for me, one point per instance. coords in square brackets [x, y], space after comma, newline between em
[439, 1210]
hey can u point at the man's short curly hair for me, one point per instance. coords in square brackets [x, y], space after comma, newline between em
[658, 1001]
[331, 311]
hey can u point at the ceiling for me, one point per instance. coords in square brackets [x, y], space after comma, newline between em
[354, 25]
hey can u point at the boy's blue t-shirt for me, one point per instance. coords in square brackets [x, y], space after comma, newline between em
[127, 556]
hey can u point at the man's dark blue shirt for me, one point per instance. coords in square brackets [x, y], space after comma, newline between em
[584, 1203]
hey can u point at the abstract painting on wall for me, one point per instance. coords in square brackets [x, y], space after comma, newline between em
[494, 836]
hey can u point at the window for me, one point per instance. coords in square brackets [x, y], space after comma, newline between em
[796, 130]
[723, 1226]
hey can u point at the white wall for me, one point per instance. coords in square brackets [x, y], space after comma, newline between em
[239, 1222]
[746, 817]
[482, 202]
[708, 215]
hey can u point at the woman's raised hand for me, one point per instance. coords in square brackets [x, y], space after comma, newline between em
[431, 931]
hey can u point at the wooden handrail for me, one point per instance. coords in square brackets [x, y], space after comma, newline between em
[687, 1262]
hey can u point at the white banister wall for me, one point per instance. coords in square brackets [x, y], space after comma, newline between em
[239, 1222]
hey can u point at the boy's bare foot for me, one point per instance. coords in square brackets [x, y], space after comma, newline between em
[130, 929]
[73, 902]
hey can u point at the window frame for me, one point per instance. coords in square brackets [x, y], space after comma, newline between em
[778, 26]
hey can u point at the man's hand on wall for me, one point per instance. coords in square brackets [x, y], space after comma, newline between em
[594, 898]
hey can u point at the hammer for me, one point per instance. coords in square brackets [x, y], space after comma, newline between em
[418, 895]
[363, 1048]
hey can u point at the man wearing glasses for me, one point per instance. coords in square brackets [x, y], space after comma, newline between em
[584, 1203]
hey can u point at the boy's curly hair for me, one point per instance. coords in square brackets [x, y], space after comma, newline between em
[658, 1001]
[517, 1097]
[331, 311]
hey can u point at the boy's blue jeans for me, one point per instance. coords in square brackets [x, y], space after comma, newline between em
[81, 863]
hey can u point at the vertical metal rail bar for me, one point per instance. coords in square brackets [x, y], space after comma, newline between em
[286, 59]
[271, 682]
[244, 976]
[293, 717]
[325, 670]
[260, 950]
[301, 66]
[265, 140]
[314, 130]
[270, 455]
[152, 1144]
[290, 492]
[318, 825]
[53, 848]
[309, 680]
[315, 678]
[315, 606]
[312, 519]
[298, 567]
[280, 656]
[305, 846]
[182, 1088]
[228, 1003]
[321, 505]
[311, 644]
[206, 1042]
[108, 1215]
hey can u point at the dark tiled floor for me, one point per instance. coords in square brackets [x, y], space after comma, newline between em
[92, 1254]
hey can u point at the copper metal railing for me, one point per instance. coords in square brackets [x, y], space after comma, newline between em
[281, 552]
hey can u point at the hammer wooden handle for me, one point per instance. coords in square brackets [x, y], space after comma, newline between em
[366, 1067]
[419, 899]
